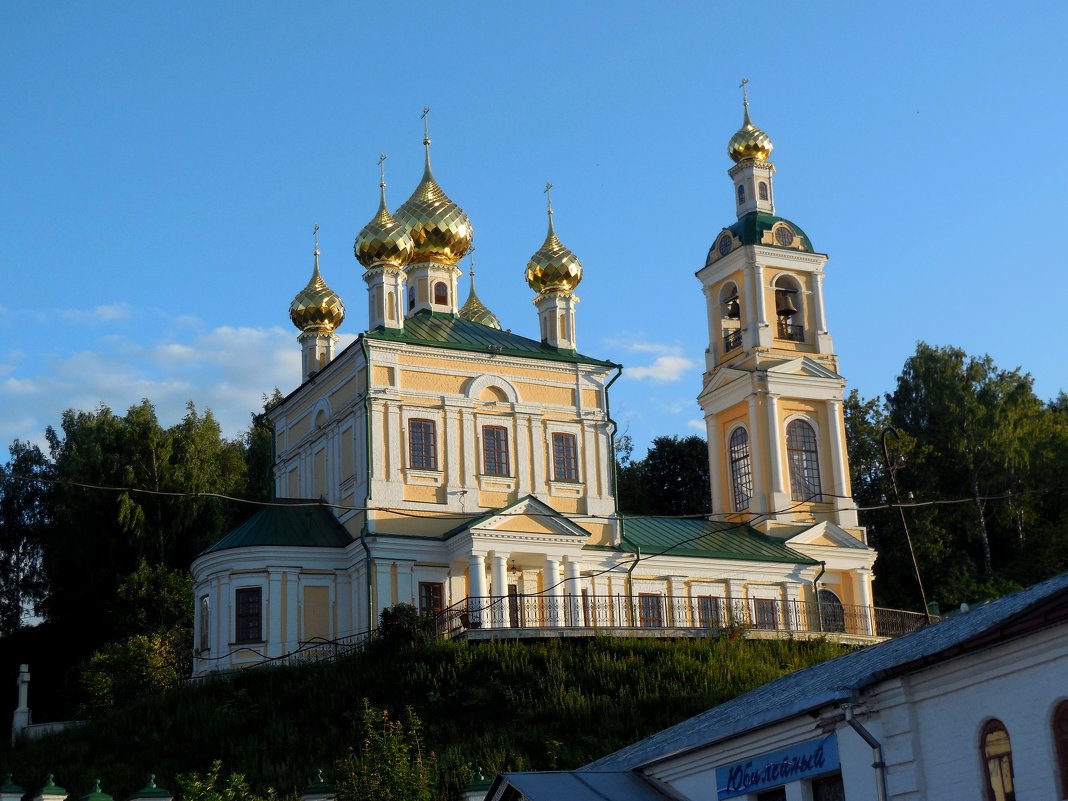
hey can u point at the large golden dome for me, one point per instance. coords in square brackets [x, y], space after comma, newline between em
[440, 231]
[383, 240]
[749, 143]
[475, 310]
[553, 267]
[317, 307]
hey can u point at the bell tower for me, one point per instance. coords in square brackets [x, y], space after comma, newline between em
[772, 394]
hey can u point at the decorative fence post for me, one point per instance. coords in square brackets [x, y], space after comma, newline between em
[50, 792]
[150, 792]
[11, 791]
[318, 790]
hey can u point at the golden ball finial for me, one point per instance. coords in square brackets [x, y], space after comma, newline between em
[553, 266]
[749, 143]
[317, 307]
[383, 240]
[440, 231]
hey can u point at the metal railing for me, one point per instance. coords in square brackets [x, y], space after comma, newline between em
[654, 611]
[793, 333]
[732, 339]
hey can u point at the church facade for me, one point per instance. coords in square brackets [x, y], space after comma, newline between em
[445, 462]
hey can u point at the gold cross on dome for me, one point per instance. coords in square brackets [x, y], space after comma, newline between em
[426, 123]
[315, 233]
[549, 195]
[745, 91]
[382, 168]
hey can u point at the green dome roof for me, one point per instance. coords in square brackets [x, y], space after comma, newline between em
[751, 230]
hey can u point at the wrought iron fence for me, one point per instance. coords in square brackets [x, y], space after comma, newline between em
[655, 611]
[732, 339]
[792, 333]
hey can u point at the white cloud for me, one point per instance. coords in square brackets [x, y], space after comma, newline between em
[697, 425]
[663, 368]
[97, 314]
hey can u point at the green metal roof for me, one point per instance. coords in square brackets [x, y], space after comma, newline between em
[706, 539]
[439, 330]
[291, 522]
[750, 230]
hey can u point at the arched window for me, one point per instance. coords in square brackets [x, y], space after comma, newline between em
[741, 194]
[731, 314]
[741, 468]
[995, 750]
[1060, 739]
[803, 455]
[441, 293]
[789, 309]
[763, 190]
[411, 298]
[832, 615]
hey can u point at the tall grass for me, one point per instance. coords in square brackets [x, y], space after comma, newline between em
[552, 704]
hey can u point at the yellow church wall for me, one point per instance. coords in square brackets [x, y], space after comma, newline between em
[316, 613]
[526, 523]
[343, 395]
[411, 524]
[474, 366]
[319, 474]
[299, 428]
[568, 505]
[540, 393]
[432, 382]
[381, 376]
[348, 461]
[494, 500]
[424, 494]
[600, 533]
[591, 399]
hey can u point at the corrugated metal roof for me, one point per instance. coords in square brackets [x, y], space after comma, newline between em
[292, 522]
[706, 539]
[835, 680]
[445, 331]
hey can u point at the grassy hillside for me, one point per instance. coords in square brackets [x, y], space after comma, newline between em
[501, 706]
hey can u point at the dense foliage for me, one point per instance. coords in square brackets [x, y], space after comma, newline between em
[672, 479]
[495, 706]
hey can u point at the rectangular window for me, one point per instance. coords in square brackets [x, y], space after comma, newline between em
[565, 457]
[650, 610]
[495, 450]
[249, 604]
[422, 445]
[204, 643]
[766, 614]
[708, 612]
[431, 597]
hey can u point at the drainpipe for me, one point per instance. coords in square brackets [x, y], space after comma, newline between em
[368, 462]
[816, 594]
[877, 752]
[630, 584]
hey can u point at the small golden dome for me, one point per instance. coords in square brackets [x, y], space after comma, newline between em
[553, 267]
[383, 240]
[749, 143]
[475, 310]
[317, 307]
[440, 231]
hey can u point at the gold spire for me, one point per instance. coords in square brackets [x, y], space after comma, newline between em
[474, 309]
[749, 143]
[383, 241]
[440, 230]
[553, 266]
[316, 307]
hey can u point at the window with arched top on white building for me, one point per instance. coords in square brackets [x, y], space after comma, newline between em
[741, 468]
[802, 453]
[789, 309]
[996, 753]
[731, 316]
[441, 294]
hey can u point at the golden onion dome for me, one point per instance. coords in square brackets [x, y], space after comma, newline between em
[383, 240]
[475, 310]
[317, 307]
[749, 143]
[440, 231]
[553, 266]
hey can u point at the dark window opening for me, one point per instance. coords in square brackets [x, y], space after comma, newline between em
[249, 617]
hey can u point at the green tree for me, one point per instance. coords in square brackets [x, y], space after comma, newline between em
[672, 479]
[25, 524]
[211, 786]
[389, 764]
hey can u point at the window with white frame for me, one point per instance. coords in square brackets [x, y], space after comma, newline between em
[248, 614]
[802, 453]
[565, 456]
[495, 451]
[741, 468]
[422, 444]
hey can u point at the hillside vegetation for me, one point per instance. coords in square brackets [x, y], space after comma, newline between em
[498, 706]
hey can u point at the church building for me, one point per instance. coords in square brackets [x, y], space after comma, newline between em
[442, 460]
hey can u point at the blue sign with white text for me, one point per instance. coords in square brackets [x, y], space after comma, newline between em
[812, 758]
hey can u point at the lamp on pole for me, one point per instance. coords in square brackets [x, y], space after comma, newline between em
[891, 469]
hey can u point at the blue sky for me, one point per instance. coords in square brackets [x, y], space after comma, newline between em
[162, 166]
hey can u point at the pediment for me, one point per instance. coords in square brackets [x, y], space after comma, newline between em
[829, 534]
[803, 365]
[531, 517]
[723, 377]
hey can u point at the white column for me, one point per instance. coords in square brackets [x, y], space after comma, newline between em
[523, 447]
[499, 591]
[293, 601]
[573, 589]
[758, 447]
[393, 437]
[780, 499]
[817, 303]
[537, 436]
[476, 584]
[554, 590]
[275, 646]
[862, 593]
[220, 637]
[845, 513]
[452, 447]
[764, 333]
[715, 446]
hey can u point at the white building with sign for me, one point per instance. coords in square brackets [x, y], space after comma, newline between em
[973, 707]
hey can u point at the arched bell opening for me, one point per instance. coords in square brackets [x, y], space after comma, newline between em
[731, 316]
[789, 309]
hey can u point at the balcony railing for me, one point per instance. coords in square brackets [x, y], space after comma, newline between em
[792, 333]
[649, 611]
[732, 339]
